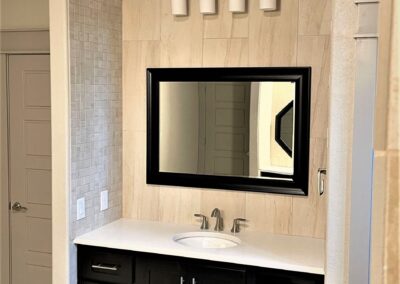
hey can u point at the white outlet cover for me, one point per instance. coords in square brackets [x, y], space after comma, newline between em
[80, 208]
[104, 200]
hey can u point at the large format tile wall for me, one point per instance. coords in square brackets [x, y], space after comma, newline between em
[296, 35]
[386, 214]
[385, 252]
[96, 110]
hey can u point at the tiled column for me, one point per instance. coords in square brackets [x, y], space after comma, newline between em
[363, 141]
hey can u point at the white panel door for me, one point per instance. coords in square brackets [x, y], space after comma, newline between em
[30, 168]
[227, 128]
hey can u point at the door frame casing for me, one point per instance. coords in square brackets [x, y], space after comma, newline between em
[4, 186]
[15, 43]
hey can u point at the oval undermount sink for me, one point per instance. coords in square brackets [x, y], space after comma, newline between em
[206, 240]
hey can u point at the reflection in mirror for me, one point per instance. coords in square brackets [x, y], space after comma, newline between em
[284, 128]
[227, 128]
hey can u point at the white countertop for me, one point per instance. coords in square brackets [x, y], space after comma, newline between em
[256, 248]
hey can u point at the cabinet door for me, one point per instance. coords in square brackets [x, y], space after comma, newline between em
[215, 275]
[157, 270]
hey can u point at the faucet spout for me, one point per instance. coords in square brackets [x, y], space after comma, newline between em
[216, 213]
[219, 223]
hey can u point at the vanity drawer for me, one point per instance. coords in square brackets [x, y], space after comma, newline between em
[98, 265]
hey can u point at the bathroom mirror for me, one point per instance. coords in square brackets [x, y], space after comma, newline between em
[229, 128]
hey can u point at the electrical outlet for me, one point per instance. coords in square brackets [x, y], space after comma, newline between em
[80, 208]
[104, 200]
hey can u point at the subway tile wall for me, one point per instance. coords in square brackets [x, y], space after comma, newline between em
[96, 110]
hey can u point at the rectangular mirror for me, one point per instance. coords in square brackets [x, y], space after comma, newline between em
[230, 128]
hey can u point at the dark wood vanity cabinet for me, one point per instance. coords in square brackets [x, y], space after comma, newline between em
[153, 269]
[268, 276]
[209, 272]
[100, 265]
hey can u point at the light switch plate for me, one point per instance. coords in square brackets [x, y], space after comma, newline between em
[80, 208]
[104, 200]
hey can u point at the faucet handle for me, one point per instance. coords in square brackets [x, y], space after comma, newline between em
[204, 222]
[236, 225]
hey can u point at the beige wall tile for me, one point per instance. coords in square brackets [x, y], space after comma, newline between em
[142, 198]
[225, 24]
[273, 35]
[378, 210]
[392, 219]
[141, 19]
[128, 177]
[383, 74]
[178, 204]
[225, 52]
[269, 213]
[315, 17]
[138, 55]
[393, 118]
[309, 213]
[181, 37]
[314, 51]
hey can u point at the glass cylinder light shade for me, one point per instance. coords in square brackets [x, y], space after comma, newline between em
[237, 6]
[208, 6]
[179, 7]
[268, 5]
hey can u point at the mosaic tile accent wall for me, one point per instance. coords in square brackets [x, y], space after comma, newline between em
[96, 110]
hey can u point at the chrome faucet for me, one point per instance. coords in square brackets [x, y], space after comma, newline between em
[219, 223]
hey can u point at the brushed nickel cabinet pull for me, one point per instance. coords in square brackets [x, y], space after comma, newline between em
[105, 267]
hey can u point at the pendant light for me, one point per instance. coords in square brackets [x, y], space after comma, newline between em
[208, 6]
[268, 5]
[237, 6]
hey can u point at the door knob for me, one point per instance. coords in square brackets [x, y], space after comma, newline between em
[18, 207]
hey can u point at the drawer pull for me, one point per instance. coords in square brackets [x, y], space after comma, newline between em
[105, 267]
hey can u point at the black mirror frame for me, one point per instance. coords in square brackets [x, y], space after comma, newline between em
[298, 185]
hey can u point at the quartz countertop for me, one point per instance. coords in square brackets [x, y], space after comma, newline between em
[257, 248]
